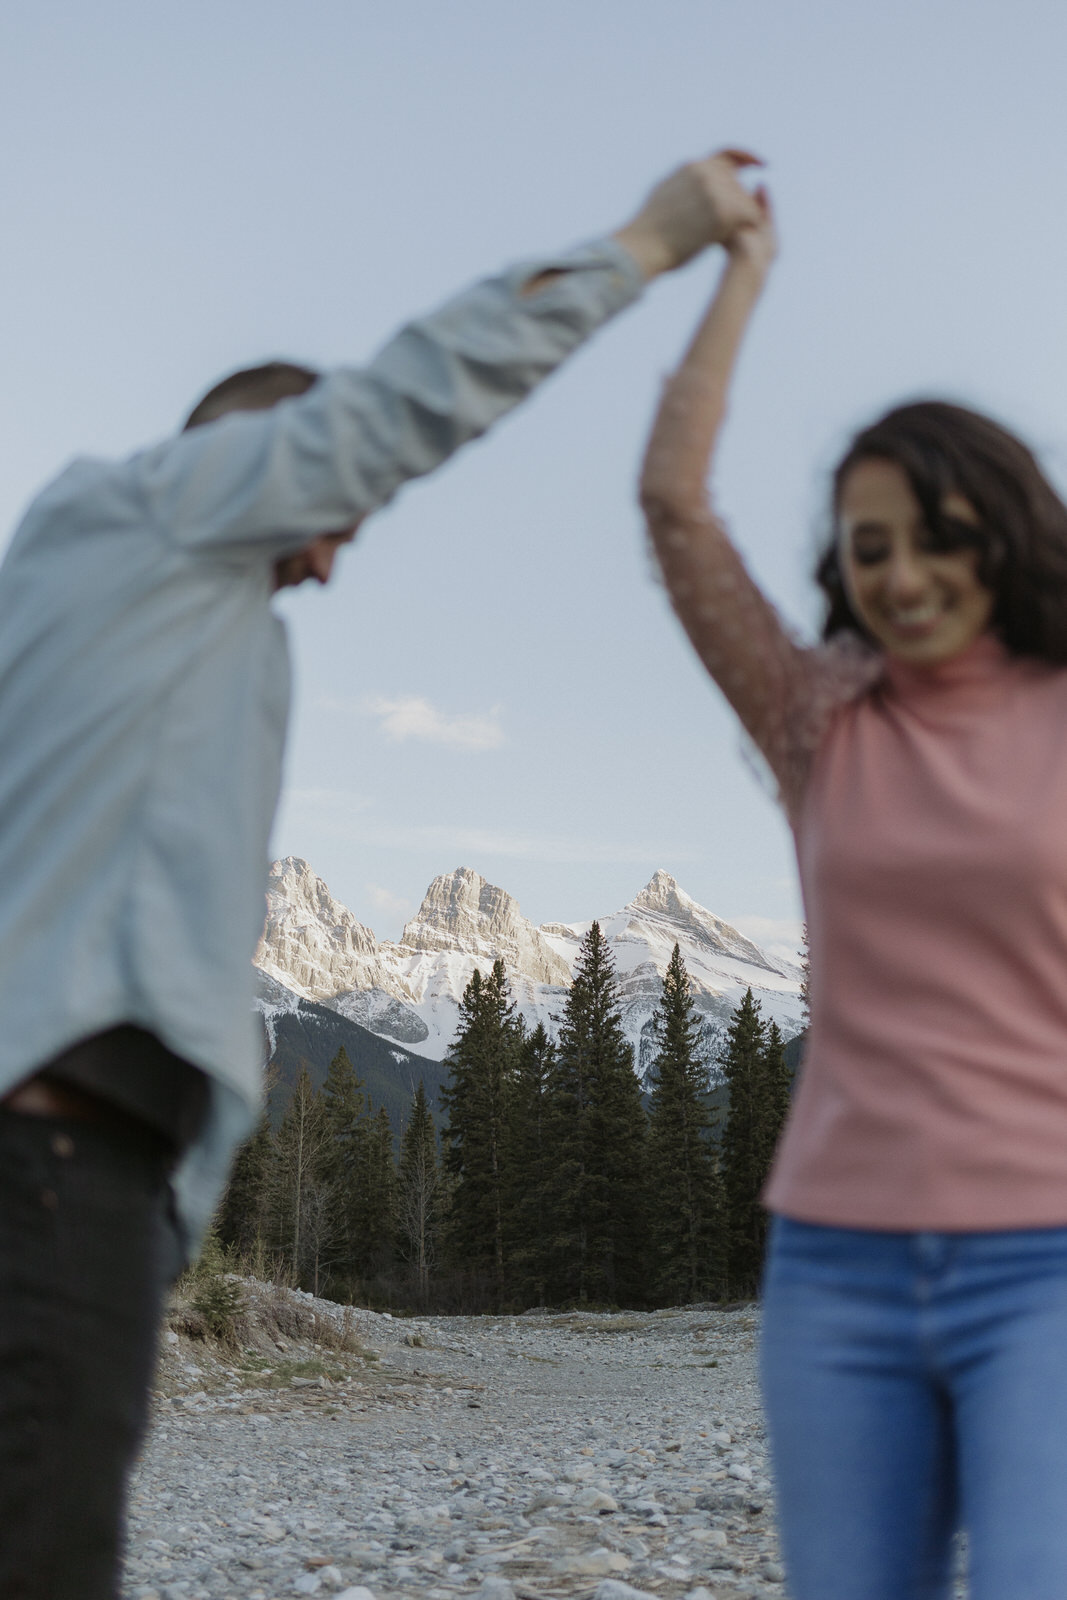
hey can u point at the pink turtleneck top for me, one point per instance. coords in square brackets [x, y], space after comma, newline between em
[929, 808]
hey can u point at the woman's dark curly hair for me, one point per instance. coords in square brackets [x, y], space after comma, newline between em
[1021, 537]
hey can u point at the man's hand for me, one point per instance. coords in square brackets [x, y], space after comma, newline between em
[700, 204]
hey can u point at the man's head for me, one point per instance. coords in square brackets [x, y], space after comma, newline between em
[315, 560]
[257, 389]
[253, 389]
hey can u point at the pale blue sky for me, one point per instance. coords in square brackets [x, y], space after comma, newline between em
[494, 680]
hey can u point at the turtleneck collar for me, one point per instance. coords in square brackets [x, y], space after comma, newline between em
[984, 662]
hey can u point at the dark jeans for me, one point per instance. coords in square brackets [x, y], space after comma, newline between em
[87, 1247]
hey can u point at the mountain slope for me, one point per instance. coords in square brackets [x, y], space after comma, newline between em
[302, 1032]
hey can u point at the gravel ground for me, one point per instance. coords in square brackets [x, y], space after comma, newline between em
[511, 1458]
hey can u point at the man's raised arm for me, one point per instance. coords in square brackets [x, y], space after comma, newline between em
[272, 480]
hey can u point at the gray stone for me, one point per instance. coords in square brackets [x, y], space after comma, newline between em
[714, 1500]
[532, 1472]
[722, 1561]
[595, 1500]
[593, 1564]
[615, 1589]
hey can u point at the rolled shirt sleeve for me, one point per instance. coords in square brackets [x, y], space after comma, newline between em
[269, 481]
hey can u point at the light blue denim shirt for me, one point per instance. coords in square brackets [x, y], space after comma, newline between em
[144, 683]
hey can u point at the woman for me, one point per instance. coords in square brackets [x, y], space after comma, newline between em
[915, 1304]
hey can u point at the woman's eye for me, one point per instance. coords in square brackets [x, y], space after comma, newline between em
[868, 552]
[951, 533]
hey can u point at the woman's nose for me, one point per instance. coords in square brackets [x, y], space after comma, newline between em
[907, 575]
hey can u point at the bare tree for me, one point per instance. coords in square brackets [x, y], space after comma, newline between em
[300, 1199]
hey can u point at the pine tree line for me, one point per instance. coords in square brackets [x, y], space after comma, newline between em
[317, 1202]
[555, 1182]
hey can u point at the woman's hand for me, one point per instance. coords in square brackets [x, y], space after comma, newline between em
[683, 438]
[755, 245]
[700, 204]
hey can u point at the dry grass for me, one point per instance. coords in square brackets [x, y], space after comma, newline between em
[603, 1322]
[272, 1318]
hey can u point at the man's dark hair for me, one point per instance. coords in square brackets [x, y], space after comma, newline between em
[1021, 536]
[252, 389]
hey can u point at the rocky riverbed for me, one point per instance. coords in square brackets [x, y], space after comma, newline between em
[342, 1453]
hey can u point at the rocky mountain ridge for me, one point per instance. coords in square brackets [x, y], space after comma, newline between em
[408, 991]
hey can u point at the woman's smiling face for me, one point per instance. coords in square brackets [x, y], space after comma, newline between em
[921, 602]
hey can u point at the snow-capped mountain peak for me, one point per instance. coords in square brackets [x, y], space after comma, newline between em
[312, 943]
[461, 911]
[661, 900]
[409, 992]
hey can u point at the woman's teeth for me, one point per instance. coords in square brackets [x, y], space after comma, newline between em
[915, 616]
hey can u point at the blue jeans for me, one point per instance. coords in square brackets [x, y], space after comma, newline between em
[915, 1384]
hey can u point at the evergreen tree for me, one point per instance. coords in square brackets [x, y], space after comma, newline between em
[482, 1062]
[744, 1144]
[684, 1219]
[344, 1108]
[719, 1251]
[775, 1094]
[241, 1221]
[344, 1154]
[375, 1199]
[419, 1193]
[530, 1173]
[598, 1129]
[215, 1296]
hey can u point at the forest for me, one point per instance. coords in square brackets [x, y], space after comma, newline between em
[556, 1180]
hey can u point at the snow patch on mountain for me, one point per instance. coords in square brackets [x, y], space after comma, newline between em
[382, 1013]
[273, 999]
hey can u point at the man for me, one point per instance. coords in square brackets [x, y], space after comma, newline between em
[143, 702]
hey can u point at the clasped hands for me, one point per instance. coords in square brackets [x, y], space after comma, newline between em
[701, 204]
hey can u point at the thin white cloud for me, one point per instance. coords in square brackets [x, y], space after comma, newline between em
[344, 814]
[410, 716]
[322, 800]
[384, 900]
[471, 844]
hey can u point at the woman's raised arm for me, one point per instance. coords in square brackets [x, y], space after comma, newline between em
[782, 692]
